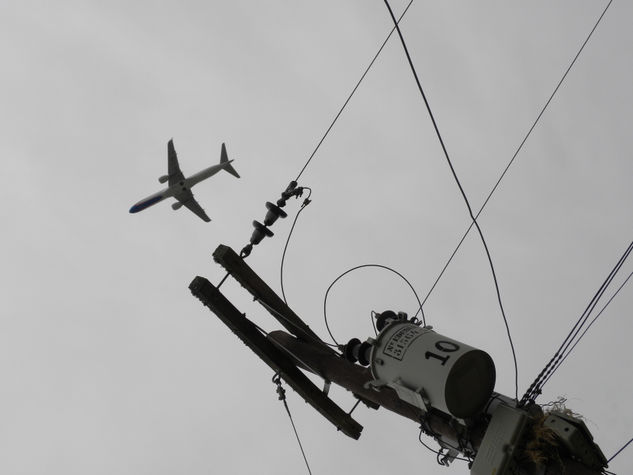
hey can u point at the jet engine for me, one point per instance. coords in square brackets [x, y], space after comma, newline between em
[163, 179]
[176, 205]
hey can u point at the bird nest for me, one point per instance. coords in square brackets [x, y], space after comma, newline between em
[540, 444]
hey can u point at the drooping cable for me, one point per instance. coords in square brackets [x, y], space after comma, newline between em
[463, 193]
[351, 94]
[380, 266]
[535, 388]
[282, 397]
[527, 135]
[305, 203]
[618, 452]
[420, 439]
[438, 453]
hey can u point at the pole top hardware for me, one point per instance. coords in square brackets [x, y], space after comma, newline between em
[576, 438]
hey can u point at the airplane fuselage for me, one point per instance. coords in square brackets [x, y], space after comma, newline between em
[177, 188]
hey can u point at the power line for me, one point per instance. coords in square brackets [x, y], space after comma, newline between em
[380, 266]
[588, 327]
[461, 189]
[535, 388]
[618, 452]
[351, 94]
[537, 385]
[305, 203]
[529, 132]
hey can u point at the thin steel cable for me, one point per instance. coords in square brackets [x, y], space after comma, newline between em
[351, 94]
[618, 452]
[380, 266]
[282, 397]
[463, 193]
[282, 316]
[297, 358]
[529, 132]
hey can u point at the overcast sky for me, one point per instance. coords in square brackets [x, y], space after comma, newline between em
[110, 366]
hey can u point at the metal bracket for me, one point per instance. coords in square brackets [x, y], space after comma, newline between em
[576, 438]
[415, 397]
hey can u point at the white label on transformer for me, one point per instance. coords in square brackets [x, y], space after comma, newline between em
[400, 341]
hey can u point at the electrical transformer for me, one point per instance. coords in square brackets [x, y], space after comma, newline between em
[426, 368]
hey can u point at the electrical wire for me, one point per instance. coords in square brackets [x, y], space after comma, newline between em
[351, 94]
[372, 316]
[283, 317]
[535, 388]
[430, 448]
[588, 327]
[380, 266]
[618, 452]
[527, 135]
[463, 193]
[282, 397]
[437, 452]
[305, 203]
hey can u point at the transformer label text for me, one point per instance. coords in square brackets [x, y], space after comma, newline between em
[401, 340]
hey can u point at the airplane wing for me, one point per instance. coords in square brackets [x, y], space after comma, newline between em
[188, 201]
[173, 169]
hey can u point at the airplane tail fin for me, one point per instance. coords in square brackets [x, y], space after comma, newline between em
[224, 158]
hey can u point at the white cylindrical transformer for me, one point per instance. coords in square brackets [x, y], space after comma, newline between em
[447, 374]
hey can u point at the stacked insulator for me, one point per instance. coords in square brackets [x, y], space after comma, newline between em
[357, 351]
[274, 212]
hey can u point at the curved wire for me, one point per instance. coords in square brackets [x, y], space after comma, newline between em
[437, 452]
[305, 203]
[373, 322]
[463, 193]
[380, 266]
[430, 448]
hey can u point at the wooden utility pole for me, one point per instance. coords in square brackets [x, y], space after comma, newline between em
[289, 354]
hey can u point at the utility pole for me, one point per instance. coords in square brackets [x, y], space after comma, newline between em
[500, 437]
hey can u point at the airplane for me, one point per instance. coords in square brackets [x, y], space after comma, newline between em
[180, 187]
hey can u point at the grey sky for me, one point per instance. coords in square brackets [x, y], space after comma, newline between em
[109, 365]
